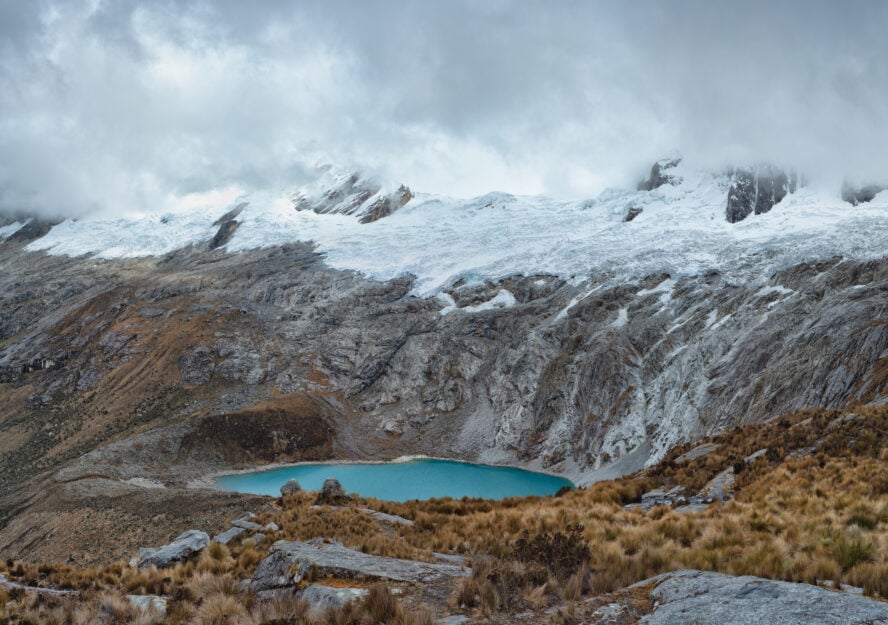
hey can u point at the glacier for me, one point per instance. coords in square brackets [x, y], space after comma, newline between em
[681, 230]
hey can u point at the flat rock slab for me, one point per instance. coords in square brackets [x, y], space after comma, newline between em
[289, 562]
[246, 525]
[5, 583]
[701, 597]
[392, 519]
[228, 535]
[698, 452]
[720, 488]
[186, 544]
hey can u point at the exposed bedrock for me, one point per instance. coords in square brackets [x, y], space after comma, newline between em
[856, 194]
[355, 195]
[662, 172]
[757, 189]
[202, 360]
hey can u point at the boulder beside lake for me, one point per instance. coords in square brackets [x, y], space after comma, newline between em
[291, 487]
[331, 493]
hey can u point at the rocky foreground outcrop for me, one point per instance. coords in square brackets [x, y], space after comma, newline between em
[183, 547]
[686, 597]
[290, 561]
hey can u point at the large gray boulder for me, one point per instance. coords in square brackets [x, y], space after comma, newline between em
[223, 538]
[700, 597]
[275, 571]
[331, 493]
[185, 544]
[290, 561]
[660, 175]
[291, 487]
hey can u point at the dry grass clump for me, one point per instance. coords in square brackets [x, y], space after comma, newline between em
[106, 608]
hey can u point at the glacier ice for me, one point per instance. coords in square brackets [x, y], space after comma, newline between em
[681, 231]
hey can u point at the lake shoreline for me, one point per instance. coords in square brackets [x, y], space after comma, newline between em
[431, 478]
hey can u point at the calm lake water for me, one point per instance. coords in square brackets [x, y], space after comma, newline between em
[401, 481]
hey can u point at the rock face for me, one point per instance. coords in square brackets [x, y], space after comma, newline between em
[660, 175]
[185, 544]
[385, 205]
[355, 195]
[757, 190]
[33, 229]
[632, 213]
[698, 597]
[224, 234]
[859, 194]
[289, 562]
[331, 493]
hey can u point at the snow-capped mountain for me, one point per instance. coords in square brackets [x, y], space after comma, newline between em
[746, 223]
[585, 337]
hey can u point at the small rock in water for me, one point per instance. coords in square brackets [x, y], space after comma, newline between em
[331, 493]
[291, 487]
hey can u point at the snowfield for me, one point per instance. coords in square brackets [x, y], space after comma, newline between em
[682, 230]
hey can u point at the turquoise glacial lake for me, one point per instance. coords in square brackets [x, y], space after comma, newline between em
[402, 481]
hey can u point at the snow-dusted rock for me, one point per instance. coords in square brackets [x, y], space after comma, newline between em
[757, 190]
[291, 487]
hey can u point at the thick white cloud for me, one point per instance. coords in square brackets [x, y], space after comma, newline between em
[124, 105]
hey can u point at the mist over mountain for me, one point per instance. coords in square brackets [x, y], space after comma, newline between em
[128, 106]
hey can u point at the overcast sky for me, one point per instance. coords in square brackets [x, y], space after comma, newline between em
[121, 105]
